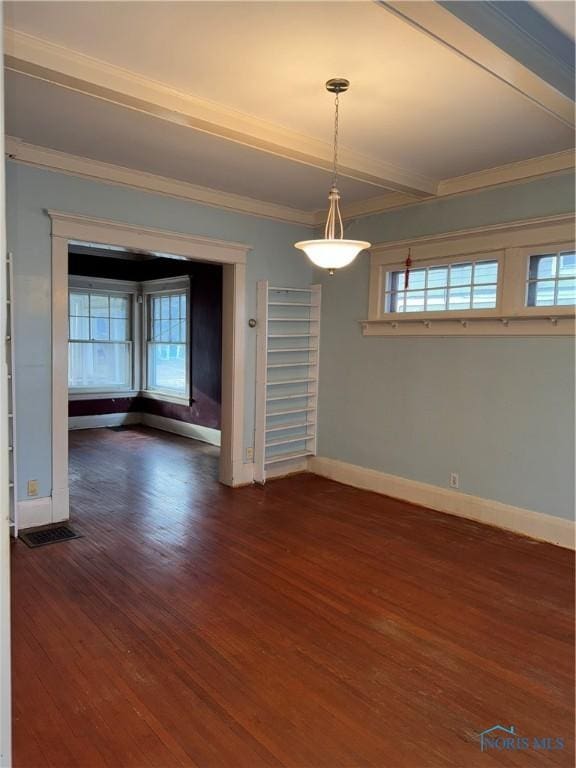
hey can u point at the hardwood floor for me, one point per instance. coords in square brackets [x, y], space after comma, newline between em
[306, 625]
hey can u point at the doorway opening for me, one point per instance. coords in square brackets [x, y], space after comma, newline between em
[145, 356]
[131, 310]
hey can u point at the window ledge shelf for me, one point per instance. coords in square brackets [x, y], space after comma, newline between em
[561, 324]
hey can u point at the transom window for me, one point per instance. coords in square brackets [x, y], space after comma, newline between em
[167, 366]
[551, 279]
[100, 341]
[450, 287]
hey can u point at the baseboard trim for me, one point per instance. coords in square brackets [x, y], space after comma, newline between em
[33, 512]
[100, 420]
[183, 428]
[536, 525]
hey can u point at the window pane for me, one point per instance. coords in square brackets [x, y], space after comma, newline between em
[183, 305]
[118, 306]
[437, 277]
[119, 330]
[79, 328]
[100, 328]
[459, 298]
[542, 267]
[436, 300]
[167, 367]
[486, 272]
[164, 330]
[79, 304]
[567, 265]
[543, 293]
[398, 302]
[484, 297]
[99, 306]
[460, 274]
[155, 330]
[567, 291]
[416, 279]
[165, 307]
[182, 331]
[155, 308]
[98, 365]
[174, 307]
[415, 301]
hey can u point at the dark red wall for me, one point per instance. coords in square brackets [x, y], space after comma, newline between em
[205, 336]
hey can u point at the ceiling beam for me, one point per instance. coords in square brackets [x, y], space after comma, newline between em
[437, 22]
[31, 56]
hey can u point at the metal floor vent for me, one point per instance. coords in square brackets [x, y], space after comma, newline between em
[49, 535]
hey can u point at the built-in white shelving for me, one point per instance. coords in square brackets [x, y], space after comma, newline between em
[286, 378]
[11, 395]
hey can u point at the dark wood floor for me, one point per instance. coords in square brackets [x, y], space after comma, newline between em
[307, 625]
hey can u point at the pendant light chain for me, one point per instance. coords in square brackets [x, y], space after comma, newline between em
[336, 130]
[334, 217]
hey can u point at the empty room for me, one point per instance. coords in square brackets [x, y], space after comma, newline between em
[287, 400]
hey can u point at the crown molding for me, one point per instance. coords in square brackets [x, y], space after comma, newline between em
[520, 172]
[507, 227]
[443, 26]
[28, 55]
[51, 159]
[523, 170]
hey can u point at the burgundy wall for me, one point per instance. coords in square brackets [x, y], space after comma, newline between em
[205, 337]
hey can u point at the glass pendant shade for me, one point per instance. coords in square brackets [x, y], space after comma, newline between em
[332, 254]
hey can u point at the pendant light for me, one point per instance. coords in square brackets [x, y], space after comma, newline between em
[333, 251]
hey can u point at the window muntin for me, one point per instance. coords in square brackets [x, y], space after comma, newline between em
[167, 357]
[99, 341]
[444, 288]
[551, 279]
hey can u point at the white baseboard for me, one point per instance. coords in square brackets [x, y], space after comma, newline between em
[285, 469]
[33, 512]
[103, 420]
[194, 431]
[537, 525]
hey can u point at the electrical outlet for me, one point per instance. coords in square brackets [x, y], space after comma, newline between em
[454, 480]
[32, 487]
[250, 454]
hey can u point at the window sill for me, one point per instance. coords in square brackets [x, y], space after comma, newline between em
[166, 398]
[99, 394]
[537, 324]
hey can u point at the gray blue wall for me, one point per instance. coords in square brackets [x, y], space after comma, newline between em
[499, 411]
[30, 192]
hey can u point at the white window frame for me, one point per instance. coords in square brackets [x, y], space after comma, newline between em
[151, 288]
[511, 245]
[527, 253]
[124, 288]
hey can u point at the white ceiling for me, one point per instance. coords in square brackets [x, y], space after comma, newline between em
[413, 103]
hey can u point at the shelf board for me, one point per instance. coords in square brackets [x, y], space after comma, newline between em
[287, 457]
[287, 441]
[290, 290]
[289, 381]
[303, 396]
[287, 413]
[294, 349]
[298, 425]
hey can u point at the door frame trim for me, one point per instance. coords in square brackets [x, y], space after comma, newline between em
[232, 256]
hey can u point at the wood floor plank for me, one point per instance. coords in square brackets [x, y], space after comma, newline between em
[303, 625]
